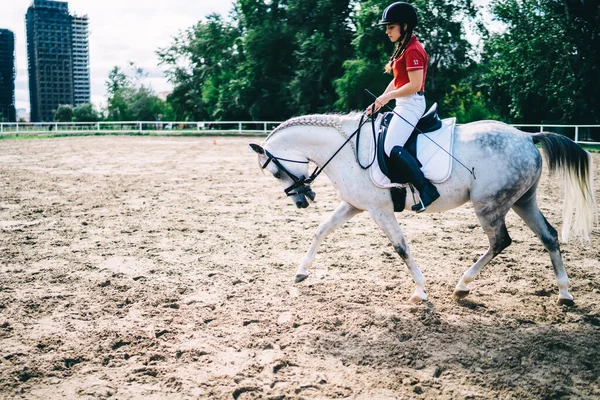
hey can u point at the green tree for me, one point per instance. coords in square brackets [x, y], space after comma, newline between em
[129, 99]
[119, 89]
[365, 70]
[466, 105]
[545, 66]
[272, 60]
[323, 38]
[442, 30]
[201, 63]
[85, 113]
[64, 113]
[267, 63]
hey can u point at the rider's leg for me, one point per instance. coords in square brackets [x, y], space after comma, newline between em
[411, 109]
[408, 170]
[403, 164]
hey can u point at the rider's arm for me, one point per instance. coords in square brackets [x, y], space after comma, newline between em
[413, 86]
[390, 87]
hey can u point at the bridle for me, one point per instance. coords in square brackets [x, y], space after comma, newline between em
[301, 185]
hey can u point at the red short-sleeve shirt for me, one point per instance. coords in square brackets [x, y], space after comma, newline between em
[414, 57]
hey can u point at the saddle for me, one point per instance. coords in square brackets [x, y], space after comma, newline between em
[429, 122]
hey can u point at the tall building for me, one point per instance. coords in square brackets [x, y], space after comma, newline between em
[58, 56]
[81, 61]
[7, 76]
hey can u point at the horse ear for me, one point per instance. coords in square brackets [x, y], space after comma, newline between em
[258, 149]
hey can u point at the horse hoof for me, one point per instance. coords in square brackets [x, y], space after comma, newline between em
[461, 294]
[566, 302]
[416, 299]
[300, 278]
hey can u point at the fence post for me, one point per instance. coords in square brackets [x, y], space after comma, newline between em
[197, 126]
[140, 127]
[98, 126]
[1, 128]
[240, 128]
[265, 130]
[576, 134]
[17, 128]
[541, 128]
[55, 127]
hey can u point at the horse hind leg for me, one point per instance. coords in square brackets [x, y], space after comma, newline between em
[528, 210]
[495, 228]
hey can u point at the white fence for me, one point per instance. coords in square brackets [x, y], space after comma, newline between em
[583, 134]
[139, 127]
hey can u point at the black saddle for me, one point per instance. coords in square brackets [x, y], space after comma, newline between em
[429, 122]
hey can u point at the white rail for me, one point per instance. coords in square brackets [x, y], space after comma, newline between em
[582, 134]
[587, 137]
[139, 127]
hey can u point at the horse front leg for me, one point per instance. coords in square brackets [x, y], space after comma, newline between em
[387, 222]
[342, 214]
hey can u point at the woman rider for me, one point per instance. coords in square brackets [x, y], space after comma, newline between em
[408, 64]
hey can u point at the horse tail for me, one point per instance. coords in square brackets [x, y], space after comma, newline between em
[575, 165]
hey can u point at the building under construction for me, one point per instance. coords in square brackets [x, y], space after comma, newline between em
[81, 61]
[7, 76]
[58, 57]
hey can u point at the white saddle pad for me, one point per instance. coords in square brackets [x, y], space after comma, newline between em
[437, 163]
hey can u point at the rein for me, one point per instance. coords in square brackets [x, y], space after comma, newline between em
[301, 184]
[374, 141]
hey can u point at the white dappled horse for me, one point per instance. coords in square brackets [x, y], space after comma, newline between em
[507, 164]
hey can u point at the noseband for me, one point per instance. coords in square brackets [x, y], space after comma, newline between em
[301, 184]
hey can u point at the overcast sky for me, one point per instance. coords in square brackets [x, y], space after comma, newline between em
[120, 31]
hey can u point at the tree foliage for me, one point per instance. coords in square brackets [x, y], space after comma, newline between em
[63, 113]
[85, 113]
[129, 99]
[546, 65]
[269, 60]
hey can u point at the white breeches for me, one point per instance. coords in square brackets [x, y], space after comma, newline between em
[410, 108]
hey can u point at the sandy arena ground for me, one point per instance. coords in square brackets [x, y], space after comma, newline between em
[163, 268]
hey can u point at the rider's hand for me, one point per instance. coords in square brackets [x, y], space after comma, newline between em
[380, 102]
[370, 109]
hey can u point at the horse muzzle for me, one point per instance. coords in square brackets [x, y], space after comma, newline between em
[302, 199]
[302, 203]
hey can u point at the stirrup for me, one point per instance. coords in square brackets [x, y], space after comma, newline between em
[419, 207]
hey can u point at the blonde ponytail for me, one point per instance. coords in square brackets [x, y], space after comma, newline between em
[390, 65]
[400, 46]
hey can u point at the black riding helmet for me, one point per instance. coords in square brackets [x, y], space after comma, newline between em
[400, 13]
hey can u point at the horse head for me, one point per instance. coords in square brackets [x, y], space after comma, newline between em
[290, 171]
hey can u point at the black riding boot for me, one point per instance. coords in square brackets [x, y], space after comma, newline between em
[405, 169]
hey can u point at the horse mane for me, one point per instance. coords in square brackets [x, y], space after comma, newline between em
[326, 120]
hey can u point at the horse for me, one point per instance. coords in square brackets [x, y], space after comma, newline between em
[506, 164]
